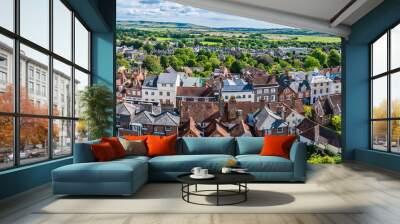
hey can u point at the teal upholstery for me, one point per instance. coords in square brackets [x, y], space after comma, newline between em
[83, 152]
[185, 163]
[125, 176]
[249, 145]
[208, 145]
[257, 163]
[119, 177]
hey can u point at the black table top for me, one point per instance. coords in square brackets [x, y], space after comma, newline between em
[220, 178]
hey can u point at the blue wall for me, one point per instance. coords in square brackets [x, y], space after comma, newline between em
[99, 15]
[356, 85]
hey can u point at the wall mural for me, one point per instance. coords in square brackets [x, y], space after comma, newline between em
[182, 72]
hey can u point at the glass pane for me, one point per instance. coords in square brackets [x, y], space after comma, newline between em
[6, 74]
[7, 14]
[62, 29]
[81, 45]
[379, 135]
[33, 139]
[379, 55]
[395, 132]
[395, 94]
[395, 47]
[62, 138]
[35, 21]
[81, 82]
[81, 131]
[62, 89]
[6, 142]
[379, 98]
[34, 77]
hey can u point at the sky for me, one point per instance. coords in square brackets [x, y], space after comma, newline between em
[165, 11]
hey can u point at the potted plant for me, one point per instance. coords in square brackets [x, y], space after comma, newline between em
[96, 103]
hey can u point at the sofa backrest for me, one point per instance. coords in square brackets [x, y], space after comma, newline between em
[249, 145]
[208, 145]
[83, 152]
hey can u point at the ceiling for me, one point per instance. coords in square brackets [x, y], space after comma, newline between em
[327, 16]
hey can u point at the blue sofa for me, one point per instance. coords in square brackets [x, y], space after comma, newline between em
[125, 176]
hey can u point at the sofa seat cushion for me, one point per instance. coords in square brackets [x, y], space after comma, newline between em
[112, 171]
[185, 163]
[257, 163]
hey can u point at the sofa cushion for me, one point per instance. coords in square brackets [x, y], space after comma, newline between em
[161, 145]
[185, 163]
[257, 163]
[116, 145]
[83, 152]
[249, 145]
[208, 145]
[277, 145]
[112, 171]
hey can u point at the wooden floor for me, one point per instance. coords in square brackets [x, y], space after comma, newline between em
[378, 189]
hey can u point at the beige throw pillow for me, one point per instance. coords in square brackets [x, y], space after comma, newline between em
[134, 147]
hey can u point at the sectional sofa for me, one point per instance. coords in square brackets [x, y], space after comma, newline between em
[125, 176]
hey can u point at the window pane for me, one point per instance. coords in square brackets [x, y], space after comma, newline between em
[395, 138]
[62, 89]
[6, 74]
[81, 82]
[81, 45]
[379, 55]
[81, 131]
[62, 29]
[6, 142]
[395, 94]
[7, 14]
[379, 98]
[62, 138]
[34, 97]
[33, 139]
[395, 47]
[35, 21]
[379, 135]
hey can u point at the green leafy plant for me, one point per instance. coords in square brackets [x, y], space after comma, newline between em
[96, 102]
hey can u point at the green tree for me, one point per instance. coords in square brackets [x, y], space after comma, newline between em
[121, 61]
[229, 59]
[337, 122]
[334, 58]
[148, 48]
[310, 63]
[152, 64]
[265, 59]
[308, 111]
[164, 61]
[320, 55]
[237, 66]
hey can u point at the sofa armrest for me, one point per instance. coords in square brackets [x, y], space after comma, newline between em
[83, 152]
[298, 155]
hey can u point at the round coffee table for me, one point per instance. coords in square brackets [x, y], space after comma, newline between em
[238, 179]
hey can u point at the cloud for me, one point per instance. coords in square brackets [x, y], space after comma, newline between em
[164, 11]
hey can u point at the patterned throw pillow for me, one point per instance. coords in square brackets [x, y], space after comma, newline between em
[134, 147]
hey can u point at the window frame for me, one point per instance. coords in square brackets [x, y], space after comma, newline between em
[388, 74]
[16, 114]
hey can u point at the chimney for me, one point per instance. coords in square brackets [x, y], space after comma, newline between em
[262, 103]
[231, 113]
[239, 115]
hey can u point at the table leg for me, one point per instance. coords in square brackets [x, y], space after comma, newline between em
[195, 188]
[217, 194]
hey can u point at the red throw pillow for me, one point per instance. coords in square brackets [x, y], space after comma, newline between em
[116, 145]
[161, 145]
[277, 145]
[103, 152]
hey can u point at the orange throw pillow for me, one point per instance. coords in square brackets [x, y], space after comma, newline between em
[135, 138]
[103, 152]
[161, 145]
[116, 145]
[277, 145]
